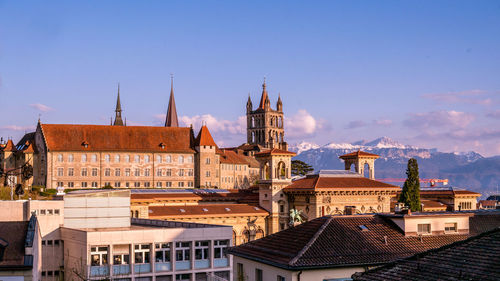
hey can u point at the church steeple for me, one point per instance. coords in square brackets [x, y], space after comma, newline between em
[171, 118]
[264, 99]
[118, 110]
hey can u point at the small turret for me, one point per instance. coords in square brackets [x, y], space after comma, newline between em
[279, 104]
[249, 104]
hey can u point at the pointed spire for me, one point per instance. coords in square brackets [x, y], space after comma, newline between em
[118, 111]
[279, 104]
[264, 98]
[171, 118]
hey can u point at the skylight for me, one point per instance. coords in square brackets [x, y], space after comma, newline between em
[205, 210]
[363, 227]
[182, 210]
[227, 209]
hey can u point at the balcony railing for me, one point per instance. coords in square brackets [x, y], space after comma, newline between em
[182, 265]
[142, 268]
[163, 266]
[102, 270]
[201, 264]
[121, 269]
[224, 262]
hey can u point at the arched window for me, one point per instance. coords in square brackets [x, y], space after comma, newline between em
[282, 172]
[59, 157]
[168, 159]
[107, 158]
[117, 158]
[252, 122]
[146, 158]
[181, 159]
[234, 238]
[137, 158]
[94, 158]
[158, 158]
[136, 214]
[259, 233]
[70, 158]
[190, 159]
[245, 236]
[84, 158]
[127, 158]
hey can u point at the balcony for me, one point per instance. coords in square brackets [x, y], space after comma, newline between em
[142, 268]
[163, 266]
[96, 271]
[224, 262]
[121, 269]
[201, 264]
[182, 265]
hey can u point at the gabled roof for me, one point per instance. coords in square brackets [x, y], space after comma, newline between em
[476, 258]
[204, 137]
[116, 138]
[9, 146]
[359, 153]
[13, 236]
[275, 151]
[338, 241]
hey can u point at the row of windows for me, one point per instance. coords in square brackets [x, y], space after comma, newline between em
[127, 172]
[118, 184]
[259, 274]
[425, 228]
[233, 167]
[50, 273]
[43, 212]
[162, 252]
[127, 158]
[52, 242]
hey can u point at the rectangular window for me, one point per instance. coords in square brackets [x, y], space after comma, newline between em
[181, 172]
[162, 252]
[94, 172]
[141, 253]
[159, 184]
[107, 172]
[117, 172]
[127, 184]
[84, 184]
[450, 227]
[127, 172]
[107, 183]
[207, 161]
[280, 278]
[190, 184]
[137, 184]
[60, 184]
[94, 184]
[424, 228]
[121, 259]
[56, 211]
[71, 184]
[190, 172]
[239, 271]
[220, 248]
[71, 172]
[42, 212]
[201, 250]
[182, 251]
[258, 275]
[159, 172]
[147, 184]
[49, 242]
[207, 174]
[84, 172]
[147, 172]
[168, 184]
[117, 184]
[56, 242]
[181, 184]
[50, 212]
[98, 256]
[60, 172]
[169, 173]
[137, 172]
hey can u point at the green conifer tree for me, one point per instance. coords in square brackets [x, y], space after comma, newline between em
[410, 195]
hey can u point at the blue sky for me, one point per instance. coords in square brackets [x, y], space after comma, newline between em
[421, 72]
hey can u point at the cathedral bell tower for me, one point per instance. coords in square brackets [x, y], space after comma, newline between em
[275, 174]
[265, 126]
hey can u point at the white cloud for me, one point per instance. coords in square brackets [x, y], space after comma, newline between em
[302, 124]
[434, 119]
[41, 107]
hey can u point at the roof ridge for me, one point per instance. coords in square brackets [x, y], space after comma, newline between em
[313, 239]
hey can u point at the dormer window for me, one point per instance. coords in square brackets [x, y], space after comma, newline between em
[85, 144]
[162, 145]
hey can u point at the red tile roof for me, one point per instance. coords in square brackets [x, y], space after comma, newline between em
[117, 138]
[475, 258]
[334, 241]
[275, 151]
[488, 203]
[9, 146]
[204, 137]
[205, 210]
[318, 182]
[359, 153]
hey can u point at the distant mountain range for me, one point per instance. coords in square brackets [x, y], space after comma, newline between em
[466, 170]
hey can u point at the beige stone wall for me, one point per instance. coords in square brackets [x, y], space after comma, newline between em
[207, 167]
[234, 176]
[155, 170]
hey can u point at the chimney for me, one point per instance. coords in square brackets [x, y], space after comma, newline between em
[349, 210]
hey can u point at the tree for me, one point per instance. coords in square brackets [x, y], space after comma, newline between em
[410, 195]
[300, 168]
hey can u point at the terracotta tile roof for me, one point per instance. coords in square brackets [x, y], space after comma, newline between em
[239, 196]
[318, 182]
[205, 210]
[433, 204]
[359, 153]
[231, 157]
[488, 203]
[475, 258]
[117, 138]
[334, 241]
[204, 137]
[275, 151]
[13, 234]
[9, 146]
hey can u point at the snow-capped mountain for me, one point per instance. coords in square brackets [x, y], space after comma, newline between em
[462, 169]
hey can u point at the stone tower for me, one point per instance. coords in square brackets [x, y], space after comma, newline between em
[118, 110]
[265, 125]
[360, 159]
[275, 174]
[206, 172]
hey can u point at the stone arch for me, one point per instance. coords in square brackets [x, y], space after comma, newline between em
[363, 209]
[252, 122]
[259, 233]
[234, 238]
[267, 171]
[366, 169]
[136, 213]
[281, 171]
[245, 236]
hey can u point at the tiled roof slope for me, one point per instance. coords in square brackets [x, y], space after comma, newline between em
[13, 233]
[117, 138]
[275, 151]
[204, 137]
[476, 258]
[315, 182]
[334, 241]
[205, 210]
[359, 153]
